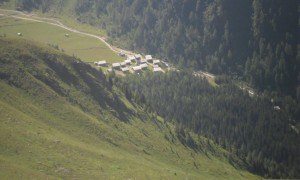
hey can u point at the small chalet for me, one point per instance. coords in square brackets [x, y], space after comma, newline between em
[128, 61]
[138, 57]
[123, 64]
[125, 70]
[101, 63]
[19, 34]
[131, 58]
[144, 66]
[143, 61]
[116, 65]
[121, 53]
[155, 62]
[149, 58]
[136, 69]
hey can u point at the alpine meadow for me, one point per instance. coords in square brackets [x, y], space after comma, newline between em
[149, 89]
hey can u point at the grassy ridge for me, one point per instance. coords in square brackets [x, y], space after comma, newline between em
[60, 118]
[86, 48]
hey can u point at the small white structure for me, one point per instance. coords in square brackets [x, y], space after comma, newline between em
[144, 66]
[131, 58]
[123, 64]
[138, 57]
[155, 62]
[116, 65]
[101, 63]
[136, 69]
[125, 70]
[121, 53]
[109, 70]
[19, 34]
[157, 69]
[128, 61]
[149, 58]
[251, 93]
[277, 108]
[143, 61]
[67, 35]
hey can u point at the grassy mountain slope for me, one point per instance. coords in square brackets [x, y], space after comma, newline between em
[61, 118]
[62, 10]
[82, 46]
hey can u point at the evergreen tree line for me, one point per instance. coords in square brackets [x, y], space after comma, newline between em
[248, 127]
[257, 40]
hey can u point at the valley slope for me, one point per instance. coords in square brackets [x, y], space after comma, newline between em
[61, 118]
[246, 42]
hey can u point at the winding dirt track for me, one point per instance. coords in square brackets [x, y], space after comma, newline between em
[54, 22]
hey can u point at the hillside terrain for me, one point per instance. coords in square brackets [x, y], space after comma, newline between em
[247, 118]
[61, 118]
[85, 46]
[256, 40]
[253, 41]
[259, 131]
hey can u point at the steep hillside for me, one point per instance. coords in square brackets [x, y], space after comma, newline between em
[61, 118]
[252, 41]
[259, 131]
[256, 40]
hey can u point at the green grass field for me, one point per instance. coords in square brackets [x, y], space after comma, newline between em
[83, 134]
[36, 144]
[86, 48]
[62, 11]
[212, 82]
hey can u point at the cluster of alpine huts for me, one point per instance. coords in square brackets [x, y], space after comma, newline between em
[134, 63]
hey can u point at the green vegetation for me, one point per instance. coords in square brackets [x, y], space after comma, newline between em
[86, 48]
[252, 43]
[250, 127]
[61, 118]
[212, 82]
[257, 41]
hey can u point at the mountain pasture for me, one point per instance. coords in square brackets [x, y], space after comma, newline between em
[86, 48]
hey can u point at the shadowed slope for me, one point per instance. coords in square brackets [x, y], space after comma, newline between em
[60, 118]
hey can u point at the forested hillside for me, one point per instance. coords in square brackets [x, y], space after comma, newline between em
[250, 127]
[258, 40]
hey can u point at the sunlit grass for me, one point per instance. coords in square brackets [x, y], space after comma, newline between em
[86, 48]
[44, 135]
[212, 82]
